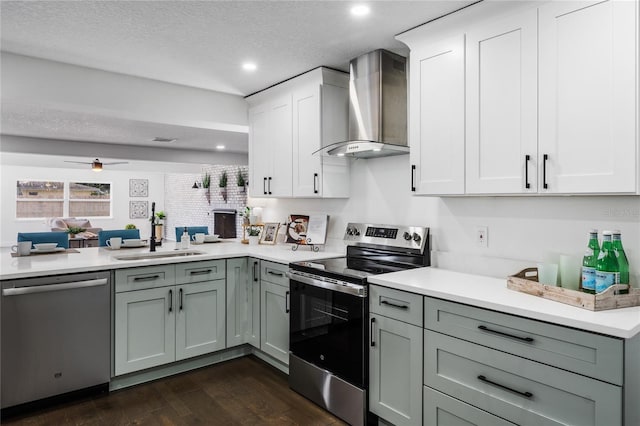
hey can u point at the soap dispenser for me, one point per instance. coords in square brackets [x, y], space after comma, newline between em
[184, 240]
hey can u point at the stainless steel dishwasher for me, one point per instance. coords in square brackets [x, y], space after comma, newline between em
[55, 336]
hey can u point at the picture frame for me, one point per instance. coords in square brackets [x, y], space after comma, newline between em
[269, 234]
[138, 209]
[138, 187]
[297, 229]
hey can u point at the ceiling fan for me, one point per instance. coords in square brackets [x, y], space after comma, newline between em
[96, 165]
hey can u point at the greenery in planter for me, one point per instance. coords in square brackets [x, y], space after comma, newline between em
[206, 180]
[73, 230]
[130, 226]
[160, 216]
[253, 231]
[240, 180]
[223, 179]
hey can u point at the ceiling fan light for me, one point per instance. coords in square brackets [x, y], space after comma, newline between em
[96, 166]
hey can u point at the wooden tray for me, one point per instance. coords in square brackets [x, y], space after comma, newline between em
[526, 281]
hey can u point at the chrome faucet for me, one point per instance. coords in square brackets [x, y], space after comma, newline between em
[152, 240]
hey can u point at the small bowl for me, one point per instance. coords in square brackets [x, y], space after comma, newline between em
[45, 246]
[132, 242]
[213, 237]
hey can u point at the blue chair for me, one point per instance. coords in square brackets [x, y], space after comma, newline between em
[191, 230]
[125, 234]
[62, 238]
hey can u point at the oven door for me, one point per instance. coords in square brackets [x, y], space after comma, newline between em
[327, 326]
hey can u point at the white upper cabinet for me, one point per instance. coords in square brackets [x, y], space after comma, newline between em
[588, 96]
[550, 99]
[436, 108]
[287, 124]
[501, 119]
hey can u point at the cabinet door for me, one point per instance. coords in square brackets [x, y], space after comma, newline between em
[144, 329]
[307, 168]
[200, 318]
[259, 150]
[436, 134]
[588, 87]
[238, 303]
[279, 181]
[501, 105]
[252, 335]
[395, 366]
[274, 321]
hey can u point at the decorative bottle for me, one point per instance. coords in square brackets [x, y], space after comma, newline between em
[589, 263]
[623, 262]
[184, 239]
[607, 270]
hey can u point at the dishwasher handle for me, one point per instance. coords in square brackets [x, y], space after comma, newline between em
[53, 287]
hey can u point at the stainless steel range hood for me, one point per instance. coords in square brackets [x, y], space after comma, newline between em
[377, 107]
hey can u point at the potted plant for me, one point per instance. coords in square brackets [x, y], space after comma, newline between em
[246, 212]
[161, 216]
[240, 181]
[206, 184]
[130, 226]
[73, 230]
[253, 234]
[223, 185]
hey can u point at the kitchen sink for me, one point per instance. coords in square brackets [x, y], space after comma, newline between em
[158, 255]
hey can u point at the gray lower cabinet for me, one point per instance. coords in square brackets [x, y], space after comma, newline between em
[243, 302]
[443, 410]
[274, 311]
[395, 366]
[168, 313]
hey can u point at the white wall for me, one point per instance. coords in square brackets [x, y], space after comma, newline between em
[10, 226]
[522, 230]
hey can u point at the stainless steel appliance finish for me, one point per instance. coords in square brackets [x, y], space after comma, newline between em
[328, 391]
[377, 107]
[55, 336]
[329, 358]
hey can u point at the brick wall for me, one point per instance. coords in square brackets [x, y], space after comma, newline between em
[186, 206]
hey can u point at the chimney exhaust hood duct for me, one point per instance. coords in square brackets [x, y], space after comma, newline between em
[377, 107]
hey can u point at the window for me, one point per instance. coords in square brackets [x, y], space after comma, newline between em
[89, 199]
[41, 199]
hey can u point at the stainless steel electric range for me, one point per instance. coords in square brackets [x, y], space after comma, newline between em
[328, 361]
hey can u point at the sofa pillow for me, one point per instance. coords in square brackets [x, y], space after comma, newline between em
[78, 223]
[59, 223]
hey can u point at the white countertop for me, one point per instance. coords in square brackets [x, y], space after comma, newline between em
[492, 293]
[102, 258]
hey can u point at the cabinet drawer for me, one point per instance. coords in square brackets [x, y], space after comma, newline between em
[275, 273]
[396, 304]
[145, 277]
[582, 352]
[442, 410]
[194, 272]
[516, 389]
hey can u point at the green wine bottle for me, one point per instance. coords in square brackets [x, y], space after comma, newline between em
[589, 263]
[623, 262]
[607, 269]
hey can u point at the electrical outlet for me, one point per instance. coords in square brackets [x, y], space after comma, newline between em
[482, 236]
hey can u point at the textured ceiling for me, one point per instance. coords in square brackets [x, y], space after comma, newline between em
[203, 43]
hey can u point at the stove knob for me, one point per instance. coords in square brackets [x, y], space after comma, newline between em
[407, 236]
[356, 231]
[416, 237]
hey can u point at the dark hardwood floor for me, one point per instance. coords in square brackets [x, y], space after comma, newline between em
[244, 391]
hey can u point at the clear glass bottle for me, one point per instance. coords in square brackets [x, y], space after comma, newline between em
[184, 239]
[623, 262]
[589, 263]
[607, 269]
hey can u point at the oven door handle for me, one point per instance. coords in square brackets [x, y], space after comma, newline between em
[348, 288]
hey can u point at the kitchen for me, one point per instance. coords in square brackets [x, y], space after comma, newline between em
[522, 230]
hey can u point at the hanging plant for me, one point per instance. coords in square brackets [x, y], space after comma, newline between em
[206, 180]
[240, 180]
[223, 179]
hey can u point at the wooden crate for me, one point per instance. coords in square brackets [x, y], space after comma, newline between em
[526, 281]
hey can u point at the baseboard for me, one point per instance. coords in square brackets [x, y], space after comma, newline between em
[271, 361]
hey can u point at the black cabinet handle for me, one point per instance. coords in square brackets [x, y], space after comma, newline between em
[287, 302]
[269, 185]
[180, 299]
[545, 157]
[315, 183]
[413, 175]
[202, 272]
[526, 171]
[255, 272]
[148, 278]
[372, 332]
[500, 333]
[264, 185]
[170, 301]
[393, 305]
[498, 385]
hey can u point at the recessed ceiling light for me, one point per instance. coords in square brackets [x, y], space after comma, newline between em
[249, 66]
[360, 10]
[220, 147]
